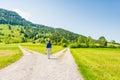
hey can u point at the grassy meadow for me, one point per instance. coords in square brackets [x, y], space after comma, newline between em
[9, 53]
[41, 47]
[98, 63]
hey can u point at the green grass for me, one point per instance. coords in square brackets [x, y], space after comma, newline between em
[12, 35]
[41, 47]
[98, 64]
[9, 53]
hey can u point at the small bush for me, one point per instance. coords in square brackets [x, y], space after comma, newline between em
[83, 46]
[118, 46]
[75, 45]
[33, 42]
[64, 45]
[111, 46]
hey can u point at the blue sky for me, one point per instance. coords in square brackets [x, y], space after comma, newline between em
[93, 18]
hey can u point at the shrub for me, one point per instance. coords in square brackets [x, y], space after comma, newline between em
[118, 46]
[33, 42]
[111, 46]
[64, 45]
[74, 45]
[83, 45]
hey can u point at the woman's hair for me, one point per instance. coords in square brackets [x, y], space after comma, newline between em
[49, 41]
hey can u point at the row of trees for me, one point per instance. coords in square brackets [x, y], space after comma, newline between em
[41, 34]
[89, 42]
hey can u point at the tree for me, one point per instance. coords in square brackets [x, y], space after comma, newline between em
[90, 41]
[9, 27]
[7, 40]
[102, 41]
[22, 30]
[55, 38]
[113, 41]
[42, 40]
[63, 40]
[80, 39]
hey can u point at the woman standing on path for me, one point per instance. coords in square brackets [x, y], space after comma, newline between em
[48, 48]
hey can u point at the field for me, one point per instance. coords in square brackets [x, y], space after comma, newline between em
[9, 53]
[10, 34]
[98, 63]
[41, 47]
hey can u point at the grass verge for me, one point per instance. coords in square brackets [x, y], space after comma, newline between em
[9, 53]
[41, 47]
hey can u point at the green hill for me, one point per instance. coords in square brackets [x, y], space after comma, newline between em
[17, 33]
[14, 28]
[10, 17]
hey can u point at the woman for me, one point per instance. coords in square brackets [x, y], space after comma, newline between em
[48, 48]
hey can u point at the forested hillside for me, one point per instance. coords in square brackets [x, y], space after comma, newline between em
[20, 30]
[16, 33]
[10, 17]
[15, 29]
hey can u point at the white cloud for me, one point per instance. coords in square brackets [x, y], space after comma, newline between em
[24, 14]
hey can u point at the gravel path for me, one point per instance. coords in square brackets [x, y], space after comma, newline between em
[36, 66]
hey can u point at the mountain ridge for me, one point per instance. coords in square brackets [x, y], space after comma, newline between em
[29, 30]
[13, 18]
[16, 20]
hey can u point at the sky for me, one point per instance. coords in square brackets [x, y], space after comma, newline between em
[93, 18]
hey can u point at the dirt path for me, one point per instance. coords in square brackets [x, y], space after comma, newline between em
[35, 66]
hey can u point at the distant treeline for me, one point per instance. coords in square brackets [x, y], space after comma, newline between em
[89, 42]
[41, 34]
